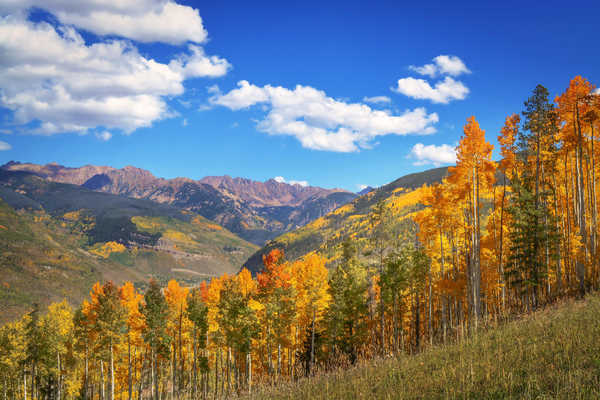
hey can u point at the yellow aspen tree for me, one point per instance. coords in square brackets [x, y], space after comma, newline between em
[310, 279]
[176, 297]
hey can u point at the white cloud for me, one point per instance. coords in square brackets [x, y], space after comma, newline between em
[432, 154]
[301, 183]
[427, 69]
[377, 99]
[451, 65]
[51, 77]
[198, 64]
[320, 122]
[244, 96]
[442, 65]
[443, 91]
[597, 91]
[362, 187]
[105, 136]
[4, 146]
[141, 20]
[281, 179]
[184, 123]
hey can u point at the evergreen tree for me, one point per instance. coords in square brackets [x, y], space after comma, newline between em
[348, 311]
[393, 282]
[526, 268]
[532, 229]
[417, 279]
[381, 234]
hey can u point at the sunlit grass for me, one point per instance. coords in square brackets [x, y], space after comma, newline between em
[552, 354]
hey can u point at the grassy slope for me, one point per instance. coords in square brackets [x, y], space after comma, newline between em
[40, 261]
[199, 243]
[552, 354]
[46, 258]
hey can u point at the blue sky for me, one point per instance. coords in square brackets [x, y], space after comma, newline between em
[186, 114]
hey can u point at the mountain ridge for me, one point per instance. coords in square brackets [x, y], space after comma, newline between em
[325, 234]
[256, 211]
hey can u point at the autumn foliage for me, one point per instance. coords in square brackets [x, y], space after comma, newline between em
[494, 238]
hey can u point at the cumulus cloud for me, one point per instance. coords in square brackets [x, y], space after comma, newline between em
[198, 64]
[432, 154]
[443, 91]
[281, 179]
[52, 79]
[320, 122]
[442, 65]
[244, 96]
[105, 136]
[597, 91]
[140, 20]
[4, 146]
[377, 99]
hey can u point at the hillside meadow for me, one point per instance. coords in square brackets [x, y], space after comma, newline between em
[551, 354]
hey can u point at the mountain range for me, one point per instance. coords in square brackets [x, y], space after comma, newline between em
[255, 211]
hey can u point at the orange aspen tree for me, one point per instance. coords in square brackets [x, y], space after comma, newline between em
[427, 234]
[475, 170]
[276, 293]
[572, 106]
[434, 222]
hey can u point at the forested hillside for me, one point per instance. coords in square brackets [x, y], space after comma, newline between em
[58, 239]
[325, 235]
[484, 241]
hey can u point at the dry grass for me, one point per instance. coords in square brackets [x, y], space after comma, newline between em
[552, 354]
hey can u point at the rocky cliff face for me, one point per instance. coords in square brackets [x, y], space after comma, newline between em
[256, 211]
[269, 193]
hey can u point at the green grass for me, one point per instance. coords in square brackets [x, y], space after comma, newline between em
[552, 354]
